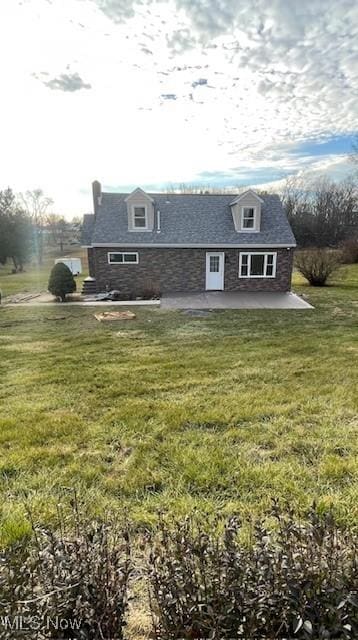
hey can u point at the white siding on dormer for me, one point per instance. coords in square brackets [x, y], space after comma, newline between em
[248, 200]
[140, 199]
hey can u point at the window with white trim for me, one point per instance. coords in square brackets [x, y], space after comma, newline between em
[214, 264]
[257, 265]
[123, 258]
[140, 217]
[248, 218]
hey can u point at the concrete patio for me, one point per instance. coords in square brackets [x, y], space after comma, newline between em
[234, 300]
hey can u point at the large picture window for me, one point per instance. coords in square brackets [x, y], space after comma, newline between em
[123, 258]
[257, 265]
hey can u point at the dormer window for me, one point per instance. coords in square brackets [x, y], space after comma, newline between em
[246, 212]
[140, 210]
[248, 218]
[140, 218]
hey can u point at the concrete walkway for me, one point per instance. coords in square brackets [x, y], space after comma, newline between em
[109, 303]
[205, 300]
[233, 300]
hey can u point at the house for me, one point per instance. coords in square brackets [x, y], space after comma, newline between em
[173, 242]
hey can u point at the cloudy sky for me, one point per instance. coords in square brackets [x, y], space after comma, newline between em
[151, 93]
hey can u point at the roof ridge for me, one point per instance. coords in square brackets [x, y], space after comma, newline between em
[172, 193]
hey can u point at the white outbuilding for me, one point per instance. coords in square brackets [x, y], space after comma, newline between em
[74, 264]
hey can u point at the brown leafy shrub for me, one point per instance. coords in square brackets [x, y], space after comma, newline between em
[67, 587]
[297, 582]
[350, 251]
[294, 581]
[317, 265]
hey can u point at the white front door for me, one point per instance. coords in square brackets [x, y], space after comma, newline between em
[215, 261]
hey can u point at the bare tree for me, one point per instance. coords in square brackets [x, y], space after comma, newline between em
[198, 189]
[335, 208]
[36, 205]
[321, 212]
[58, 228]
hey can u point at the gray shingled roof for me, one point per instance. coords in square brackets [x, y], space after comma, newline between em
[87, 228]
[188, 219]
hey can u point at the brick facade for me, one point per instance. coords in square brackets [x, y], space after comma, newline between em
[174, 270]
[91, 262]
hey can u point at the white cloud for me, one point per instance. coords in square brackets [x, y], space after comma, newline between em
[64, 82]
[175, 88]
[335, 168]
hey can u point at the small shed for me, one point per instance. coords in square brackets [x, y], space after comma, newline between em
[74, 264]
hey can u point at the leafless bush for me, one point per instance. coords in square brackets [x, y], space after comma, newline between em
[317, 265]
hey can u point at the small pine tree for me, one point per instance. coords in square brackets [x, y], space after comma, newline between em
[61, 281]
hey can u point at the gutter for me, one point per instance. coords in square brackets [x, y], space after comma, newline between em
[217, 245]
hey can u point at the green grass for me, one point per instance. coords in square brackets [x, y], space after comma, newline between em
[35, 278]
[174, 412]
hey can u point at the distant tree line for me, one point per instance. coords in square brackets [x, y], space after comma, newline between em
[322, 213]
[27, 228]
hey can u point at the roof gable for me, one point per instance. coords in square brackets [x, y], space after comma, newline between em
[138, 192]
[244, 195]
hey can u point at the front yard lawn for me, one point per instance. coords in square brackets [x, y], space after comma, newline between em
[173, 412]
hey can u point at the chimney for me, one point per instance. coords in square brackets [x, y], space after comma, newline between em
[97, 195]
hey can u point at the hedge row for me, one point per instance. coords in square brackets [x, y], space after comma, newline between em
[292, 580]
